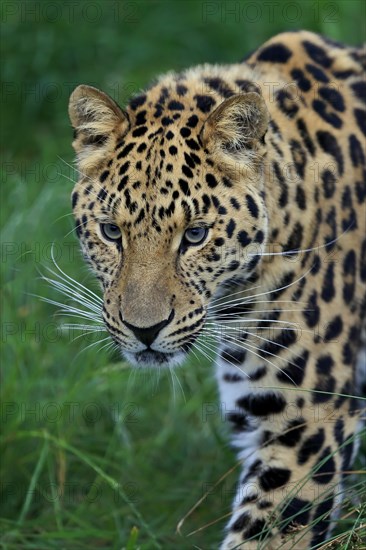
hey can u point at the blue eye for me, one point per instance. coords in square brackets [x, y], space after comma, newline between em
[195, 235]
[110, 231]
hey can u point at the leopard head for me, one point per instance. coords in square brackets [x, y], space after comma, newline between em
[169, 209]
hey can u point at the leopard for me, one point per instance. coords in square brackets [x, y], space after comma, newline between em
[229, 201]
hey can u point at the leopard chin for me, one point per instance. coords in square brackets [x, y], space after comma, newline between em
[149, 358]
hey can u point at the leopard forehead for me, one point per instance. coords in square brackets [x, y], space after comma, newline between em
[161, 173]
[159, 170]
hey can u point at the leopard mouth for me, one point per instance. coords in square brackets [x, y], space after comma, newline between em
[153, 357]
[150, 358]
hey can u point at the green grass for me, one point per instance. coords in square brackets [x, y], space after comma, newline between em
[94, 456]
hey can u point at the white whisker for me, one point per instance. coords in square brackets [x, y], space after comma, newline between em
[247, 348]
[92, 345]
[73, 281]
[210, 348]
[249, 333]
[78, 326]
[278, 321]
[235, 293]
[272, 290]
[85, 176]
[301, 250]
[74, 295]
[249, 302]
[256, 327]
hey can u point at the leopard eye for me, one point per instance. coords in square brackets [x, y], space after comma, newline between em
[195, 235]
[110, 231]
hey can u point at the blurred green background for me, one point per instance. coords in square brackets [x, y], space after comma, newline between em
[94, 456]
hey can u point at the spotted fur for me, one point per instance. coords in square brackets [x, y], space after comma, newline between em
[268, 157]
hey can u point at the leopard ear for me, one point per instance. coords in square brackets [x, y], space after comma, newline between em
[237, 126]
[97, 121]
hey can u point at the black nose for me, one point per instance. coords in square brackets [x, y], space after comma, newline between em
[147, 335]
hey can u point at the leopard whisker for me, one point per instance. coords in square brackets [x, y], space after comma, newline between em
[79, 326]
[277, 321]
[285, 253]
[259, 302]
[194, 353]
[69, 310]
[92, 345]
[277, 289]
[84, 333]
[63, 216]
[92, 193]
[75, 283]
[105, 346]
[110, 348]
[196, 344]
[73, 230]
[234, 293]
[83, 175]
[207, 351]
[214, 350]
[249, 333]
[175, 376]
[74, 295]
[239, 313]
[247, 348]
[255, 327]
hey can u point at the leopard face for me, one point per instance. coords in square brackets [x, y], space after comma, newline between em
[169, 210]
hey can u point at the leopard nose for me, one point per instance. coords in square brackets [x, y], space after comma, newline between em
[147, 335]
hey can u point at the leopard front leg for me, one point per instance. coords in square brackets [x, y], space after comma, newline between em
[290, 486]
